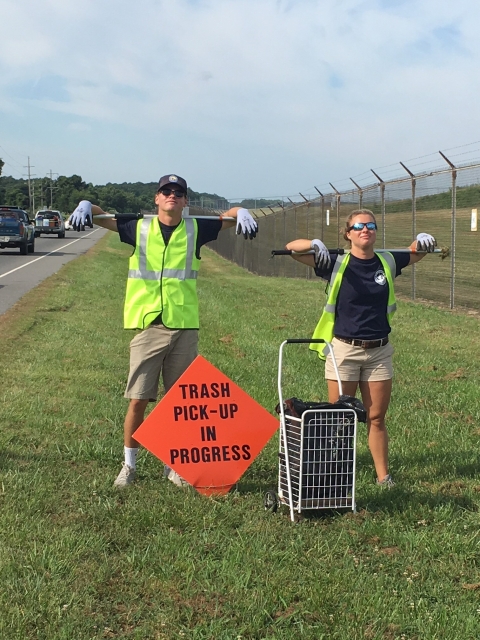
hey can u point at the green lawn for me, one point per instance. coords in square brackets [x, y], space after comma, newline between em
[81, 560]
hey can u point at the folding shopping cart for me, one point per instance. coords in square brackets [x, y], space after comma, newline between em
[317, 449]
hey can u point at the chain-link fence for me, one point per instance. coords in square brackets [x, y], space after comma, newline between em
[440, 203]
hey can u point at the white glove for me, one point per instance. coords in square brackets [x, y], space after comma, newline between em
[77, 219]
[425, 242]
[322, 256]
[246, 224]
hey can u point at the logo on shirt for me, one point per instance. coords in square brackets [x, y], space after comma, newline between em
[380, 277]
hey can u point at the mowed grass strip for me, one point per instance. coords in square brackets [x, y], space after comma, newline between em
[79, 559]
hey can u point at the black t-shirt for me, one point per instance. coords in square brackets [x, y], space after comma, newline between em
[361, 310]
[208, 230]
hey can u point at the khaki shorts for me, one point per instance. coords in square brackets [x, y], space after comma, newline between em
[157, 350]
[355, 364]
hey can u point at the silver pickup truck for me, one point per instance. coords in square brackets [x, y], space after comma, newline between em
[49, 221]
[16, 230]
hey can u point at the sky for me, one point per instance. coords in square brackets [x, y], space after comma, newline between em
[243, 98]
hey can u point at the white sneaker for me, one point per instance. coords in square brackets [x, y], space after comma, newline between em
[176, 479]
[125, 477]
[386, 482]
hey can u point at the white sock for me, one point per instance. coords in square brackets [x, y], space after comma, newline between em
[131, 457]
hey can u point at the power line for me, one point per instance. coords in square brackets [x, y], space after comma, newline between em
[51, 187]
[6, 153]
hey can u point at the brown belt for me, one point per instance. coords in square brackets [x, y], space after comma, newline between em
[365, 344]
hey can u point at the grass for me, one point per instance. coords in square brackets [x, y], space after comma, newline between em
[81, 560]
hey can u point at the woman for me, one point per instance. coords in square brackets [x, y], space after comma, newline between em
[356, 319]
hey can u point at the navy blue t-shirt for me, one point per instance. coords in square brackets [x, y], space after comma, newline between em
[208, 230]
[361, 310]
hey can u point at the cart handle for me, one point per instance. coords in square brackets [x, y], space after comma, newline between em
[328, 350]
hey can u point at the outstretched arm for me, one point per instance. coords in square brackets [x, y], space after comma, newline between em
[106, 223]
[231, 213]
[300, 245]
[320, 258]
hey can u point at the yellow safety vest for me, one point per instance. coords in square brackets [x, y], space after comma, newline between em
[325, 326]
[163, 279]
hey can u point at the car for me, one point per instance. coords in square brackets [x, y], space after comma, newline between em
[49, 221]
[16, 229]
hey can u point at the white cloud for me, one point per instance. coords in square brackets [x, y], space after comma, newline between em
[277, 95]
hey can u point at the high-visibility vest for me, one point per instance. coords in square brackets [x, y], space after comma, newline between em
[325, 326]
[163, 279]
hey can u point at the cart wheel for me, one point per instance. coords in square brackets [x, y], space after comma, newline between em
[270, 501]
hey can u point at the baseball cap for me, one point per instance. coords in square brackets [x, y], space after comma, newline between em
[172, 179]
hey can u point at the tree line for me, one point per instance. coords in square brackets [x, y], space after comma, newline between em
[65, 192]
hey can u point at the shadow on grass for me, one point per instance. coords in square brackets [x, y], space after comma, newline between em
[10, 461]
[435, 467]
[430, 467]
[388, 502]
[398, 501]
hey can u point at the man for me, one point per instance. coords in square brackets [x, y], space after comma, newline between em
[161, 299]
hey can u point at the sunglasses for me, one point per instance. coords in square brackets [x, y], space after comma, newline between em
[178, 193]
[358, 226]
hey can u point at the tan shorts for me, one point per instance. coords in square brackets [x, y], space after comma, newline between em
[159, 350]
[355, 364]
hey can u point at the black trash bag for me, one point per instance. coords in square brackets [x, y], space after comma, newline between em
[296, 407]
[350, 402]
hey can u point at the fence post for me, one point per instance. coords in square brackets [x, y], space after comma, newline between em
[322, 212]
[323, 217]
[307, 270]
[337, 204]
[295, 235]
[280, 204]
[360, 193]
[382, 198]
[454, 229]
[275, 262]
[414, 224]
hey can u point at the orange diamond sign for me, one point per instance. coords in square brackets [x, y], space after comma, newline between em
[207, 429]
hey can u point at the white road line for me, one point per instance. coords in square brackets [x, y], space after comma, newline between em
[64, 246]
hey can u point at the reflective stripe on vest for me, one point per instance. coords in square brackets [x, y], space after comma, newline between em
[162, 279]
[180, 274]
[325, 327]
[391, 271]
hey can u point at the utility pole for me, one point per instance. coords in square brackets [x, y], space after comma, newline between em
[30, 205]
[51, 187]
[43, 193]
[40, 186]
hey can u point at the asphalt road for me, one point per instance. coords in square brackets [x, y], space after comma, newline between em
[19, 274]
